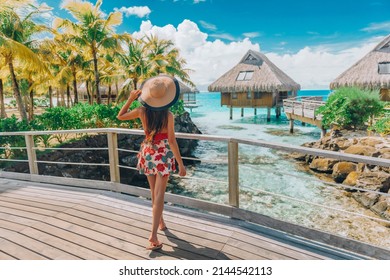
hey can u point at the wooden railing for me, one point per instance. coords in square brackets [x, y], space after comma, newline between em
[303, 106]
[232, 209]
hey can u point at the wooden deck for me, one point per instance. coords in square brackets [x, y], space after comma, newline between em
[46, 221]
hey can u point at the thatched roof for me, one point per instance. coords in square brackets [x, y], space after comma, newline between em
[266, 76]
[184, 88]
[365, 72]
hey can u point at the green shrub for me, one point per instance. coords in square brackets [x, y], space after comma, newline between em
[12, 124]
[80, 116]
[350, 108]
[382, 124]
[178, 108]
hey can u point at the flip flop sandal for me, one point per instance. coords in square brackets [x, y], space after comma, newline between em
[154, 246]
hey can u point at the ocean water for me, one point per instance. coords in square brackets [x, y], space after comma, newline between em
[265, 172]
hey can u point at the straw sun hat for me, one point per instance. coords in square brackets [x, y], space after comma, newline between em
[159, 93]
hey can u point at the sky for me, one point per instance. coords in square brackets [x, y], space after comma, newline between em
[311, 41]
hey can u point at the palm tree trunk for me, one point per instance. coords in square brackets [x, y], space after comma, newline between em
[97, 79]
[135, 81]
[109, 95]
[68, 99]
[76, 97]
[31, 107]
[88, 93]
[3, 114]
[50, 97]
[117, 91]
[62, 96]
[18, 96]
[58, 96]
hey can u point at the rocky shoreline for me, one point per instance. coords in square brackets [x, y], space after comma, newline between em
[183, 123]
[357, 175]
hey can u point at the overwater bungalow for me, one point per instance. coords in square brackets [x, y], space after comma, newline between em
[255, 82]
[371, 72]
[108, 94]
[188, 96]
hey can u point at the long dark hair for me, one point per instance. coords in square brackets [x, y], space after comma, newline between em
[155, 122]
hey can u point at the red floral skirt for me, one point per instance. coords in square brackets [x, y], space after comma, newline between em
[156, 158]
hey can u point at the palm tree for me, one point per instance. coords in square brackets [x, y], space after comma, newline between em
[164, 58]
[93, 30]
[15, 36]
[3, 114]
[135, 62]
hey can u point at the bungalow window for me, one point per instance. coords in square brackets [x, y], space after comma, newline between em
[257, 95]
[245, 76]
[234, 95]
[384, 68]
[249, 95]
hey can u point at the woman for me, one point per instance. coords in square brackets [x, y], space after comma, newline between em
[159, 150]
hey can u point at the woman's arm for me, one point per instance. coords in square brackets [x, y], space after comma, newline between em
[173, 144]
[123, 114]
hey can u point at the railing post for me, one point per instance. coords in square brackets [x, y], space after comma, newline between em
[112, 140]
[31, 154]
[234, 190]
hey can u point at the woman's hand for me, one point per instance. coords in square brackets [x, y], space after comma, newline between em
[134, 94]
[182, 170]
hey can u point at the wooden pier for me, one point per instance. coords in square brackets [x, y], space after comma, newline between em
[51, 217]
[47, 221]
[304, 109]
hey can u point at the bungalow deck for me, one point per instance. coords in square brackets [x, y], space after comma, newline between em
[48, 221]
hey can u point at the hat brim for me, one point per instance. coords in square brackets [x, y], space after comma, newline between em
[169, 99]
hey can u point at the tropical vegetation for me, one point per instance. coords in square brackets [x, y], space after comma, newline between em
[353, 108]
[85, 53]
[79, 116]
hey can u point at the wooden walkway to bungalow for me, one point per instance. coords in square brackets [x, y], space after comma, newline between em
[47, 221]
[303, 109]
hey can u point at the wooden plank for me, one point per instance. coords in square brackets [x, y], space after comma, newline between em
[4, 256]
[261, 249]
[194, 219]
[179, 224]
[38, 199]
[27, 208]
[140, 228]
[18, 252]
[6, 224]
[51, 196]
[103, 243]
[239, 254]
[108, 234]
[67, 231]
[274, 245]
[34, 245]
[69, 246]
[17, 219]
[21, 213]
[30, 203]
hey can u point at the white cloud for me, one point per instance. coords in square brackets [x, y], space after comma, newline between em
[139, 11]
[224, 36]
[381, 26]
[311, 67]
[208, 25]
[251, 34]
[208, 59]
[315, 68]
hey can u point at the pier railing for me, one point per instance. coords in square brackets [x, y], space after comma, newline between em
[231, 209]
[303, 106]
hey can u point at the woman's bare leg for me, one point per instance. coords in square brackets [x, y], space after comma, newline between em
[158, 205]
[152, 183]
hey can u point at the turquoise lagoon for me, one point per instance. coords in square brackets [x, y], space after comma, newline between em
[264, 172]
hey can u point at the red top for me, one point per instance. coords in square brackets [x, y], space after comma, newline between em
[160, 136]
